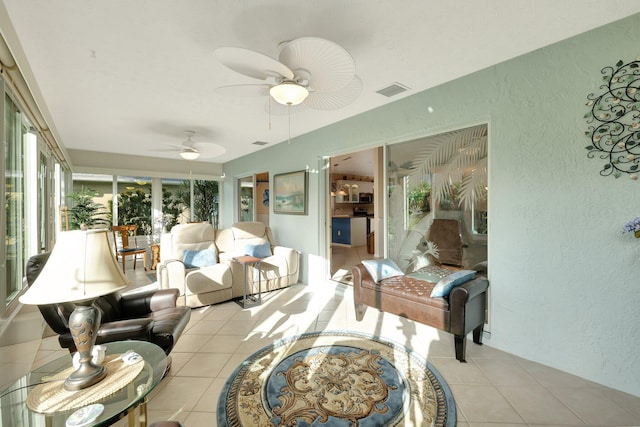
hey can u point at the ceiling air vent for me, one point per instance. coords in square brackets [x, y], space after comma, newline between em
[393, 89]
[260, 143]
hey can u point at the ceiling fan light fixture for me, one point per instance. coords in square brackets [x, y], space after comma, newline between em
[289, 93]
[189, 155]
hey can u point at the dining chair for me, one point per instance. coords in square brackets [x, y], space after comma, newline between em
[125, 241]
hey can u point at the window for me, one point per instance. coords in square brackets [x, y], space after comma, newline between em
[134, 203]
[15, 218]
[93, 194]
[175, 203]
[206, 199]
[245, 199]
[442, 176]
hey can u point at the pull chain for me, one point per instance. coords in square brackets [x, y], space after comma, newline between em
[289, 111]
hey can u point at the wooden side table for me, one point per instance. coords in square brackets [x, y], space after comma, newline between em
[155, 255]
[250, 300]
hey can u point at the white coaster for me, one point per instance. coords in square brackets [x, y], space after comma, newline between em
[85, 416]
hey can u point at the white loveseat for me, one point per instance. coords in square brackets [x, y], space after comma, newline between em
[224, 280]
[279, 270]
[198, 286]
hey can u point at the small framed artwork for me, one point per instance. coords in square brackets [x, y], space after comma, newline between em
[291, 193]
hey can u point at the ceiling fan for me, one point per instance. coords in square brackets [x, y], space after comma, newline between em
[310, 71]
[191, 150]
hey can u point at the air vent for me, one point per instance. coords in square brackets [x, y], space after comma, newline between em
[393, 89]
[260, 143]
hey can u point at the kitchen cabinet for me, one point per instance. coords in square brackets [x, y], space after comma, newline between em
[352, 190]
[349, 231]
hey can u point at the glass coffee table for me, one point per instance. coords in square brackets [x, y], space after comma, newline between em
[14, 410]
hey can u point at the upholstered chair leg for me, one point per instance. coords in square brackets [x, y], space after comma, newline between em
[460, 343]
[477, 334]
[360, 309]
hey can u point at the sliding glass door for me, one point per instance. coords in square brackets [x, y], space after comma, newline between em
[15, 227]
[442, 176]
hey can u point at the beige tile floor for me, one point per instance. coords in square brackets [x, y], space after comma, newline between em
[493, 389]
[343, 258]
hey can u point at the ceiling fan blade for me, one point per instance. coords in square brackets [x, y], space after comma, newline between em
[175, 146]
[244, 90]
[209, 150]
[334, 100]
[329, 65]
[251, 63]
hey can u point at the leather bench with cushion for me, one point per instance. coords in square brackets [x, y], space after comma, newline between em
[462, 311]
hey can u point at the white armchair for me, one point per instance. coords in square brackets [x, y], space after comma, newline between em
[198, 285]
[278, 270]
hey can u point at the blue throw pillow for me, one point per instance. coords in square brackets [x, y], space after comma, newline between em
[446, 284]
[199, 259]
[380, 269]
[262, 250]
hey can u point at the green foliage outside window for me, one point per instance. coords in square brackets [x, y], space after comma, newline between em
[418, 198]
[85, 211]
[173, 204]
[134, 207]
[451, 199]
[205, 201]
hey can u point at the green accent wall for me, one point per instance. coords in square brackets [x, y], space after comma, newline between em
[565, 287]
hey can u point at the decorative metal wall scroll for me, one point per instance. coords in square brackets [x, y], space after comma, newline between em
[614, 120]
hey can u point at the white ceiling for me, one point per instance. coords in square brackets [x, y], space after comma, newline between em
[358, 163]
[130, 76]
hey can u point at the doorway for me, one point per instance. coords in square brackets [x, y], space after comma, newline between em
[262, 198]
[253, 200]
[351, 211]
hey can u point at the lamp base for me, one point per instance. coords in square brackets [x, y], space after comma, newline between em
[83, 324]
[85, 376]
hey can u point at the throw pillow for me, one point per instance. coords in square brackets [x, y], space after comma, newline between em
[446, 284]
[199, 259]
[262, 250]
[431, 273]
[380, 269]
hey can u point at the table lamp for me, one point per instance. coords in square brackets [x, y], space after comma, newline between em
[81, 268]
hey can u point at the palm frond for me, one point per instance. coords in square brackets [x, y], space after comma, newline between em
[474, 184]
[447, 157]
[432, 249]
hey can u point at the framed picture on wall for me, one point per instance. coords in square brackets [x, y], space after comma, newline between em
[290, 193]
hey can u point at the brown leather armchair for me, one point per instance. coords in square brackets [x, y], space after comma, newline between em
[446, 234]
[147, 316]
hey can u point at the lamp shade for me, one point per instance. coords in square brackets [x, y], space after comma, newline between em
[289, 93]
[189, 154]
[81, 267]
